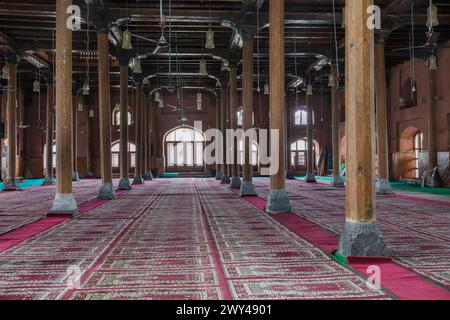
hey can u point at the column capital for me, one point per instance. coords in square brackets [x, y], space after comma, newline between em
[248, 32]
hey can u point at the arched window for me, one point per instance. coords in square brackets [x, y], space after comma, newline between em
[184, 149]
[301, 117]
[299, 154]
[116, 117]
[240, 118]
[115, 151]
[254, 155]
[418, 148]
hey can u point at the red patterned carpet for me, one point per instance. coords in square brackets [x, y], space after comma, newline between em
[176, 239]
[21, 208]
[417, 231]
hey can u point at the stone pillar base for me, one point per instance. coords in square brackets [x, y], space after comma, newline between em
[384, 187]
[49, 182]
[124, 184]
[148, 176]
[64, 203]
[226, 180]
[219, 175]
[290, 175]
[361, 239]
[138, 180]
[248, 189]
[278, 202]
[236, 183]
[337, 182]
[106, 192]
[11, 185]
[75, 176]
[310, 178]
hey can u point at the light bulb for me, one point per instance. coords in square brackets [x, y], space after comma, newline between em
[203, 70]
[86, 89]
[91, 113]
[267, 89]
[80, 107]
[137, 65]
[432, 63]
[309, 90]
[36, 86]
[157, 96]
[331, 80]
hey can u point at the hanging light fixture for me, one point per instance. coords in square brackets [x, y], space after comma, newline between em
[91, 113]
[86, 88]
[80, 106]
[157, 96]
[136, 65]
[126, 42]
[218, 84]
[210, 44]
[309, 90]
[36, 86]
[432, 63]
[432, 20]
[267, 89]
[5, 72]
[331, 80]
[161, 103]
[203, 69]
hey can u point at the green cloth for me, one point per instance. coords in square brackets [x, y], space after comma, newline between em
[27, 184]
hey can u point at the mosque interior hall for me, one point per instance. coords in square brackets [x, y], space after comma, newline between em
[225, 150]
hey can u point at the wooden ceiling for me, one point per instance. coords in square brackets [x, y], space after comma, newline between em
[28, 27]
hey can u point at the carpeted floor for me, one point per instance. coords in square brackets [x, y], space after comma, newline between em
[416, 230]
[175, 239]
[23, 207]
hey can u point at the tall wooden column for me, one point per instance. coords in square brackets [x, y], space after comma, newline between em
[432, 152]
[75, 175]
[219, 152]
[247, 188]
[144, 114]
[278, 201]
[288, 123]
[124, 183]
[337, 181]
[235, 174]
[360, 236]
[138, 126]
[64, 200]
[149, 174]
[383, 186]
[89, 137]
[225, 123]
[310, 177]
[49, 135]
[11, 123]
[106, 190]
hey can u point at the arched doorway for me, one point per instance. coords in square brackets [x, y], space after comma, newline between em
[299, 151]
[411, 149]
[184, 149]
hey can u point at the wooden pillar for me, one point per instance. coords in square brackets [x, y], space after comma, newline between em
[226, 179]
[288, 123]
[235, 172]
[89, 137]
[360, 236]
[75, 175]
[278, 201]
[247, 188]
[144, 117]
[310, 177]
[149, 174]
[138, 126]
[49, 135]
[124, 183]
[337, 181]
[64, 200]
[106, 190]
[432, 152]
[383, 186]
[219, 152]
[11, 124]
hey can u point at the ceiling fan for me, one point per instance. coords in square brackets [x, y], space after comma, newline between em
[179, 107]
